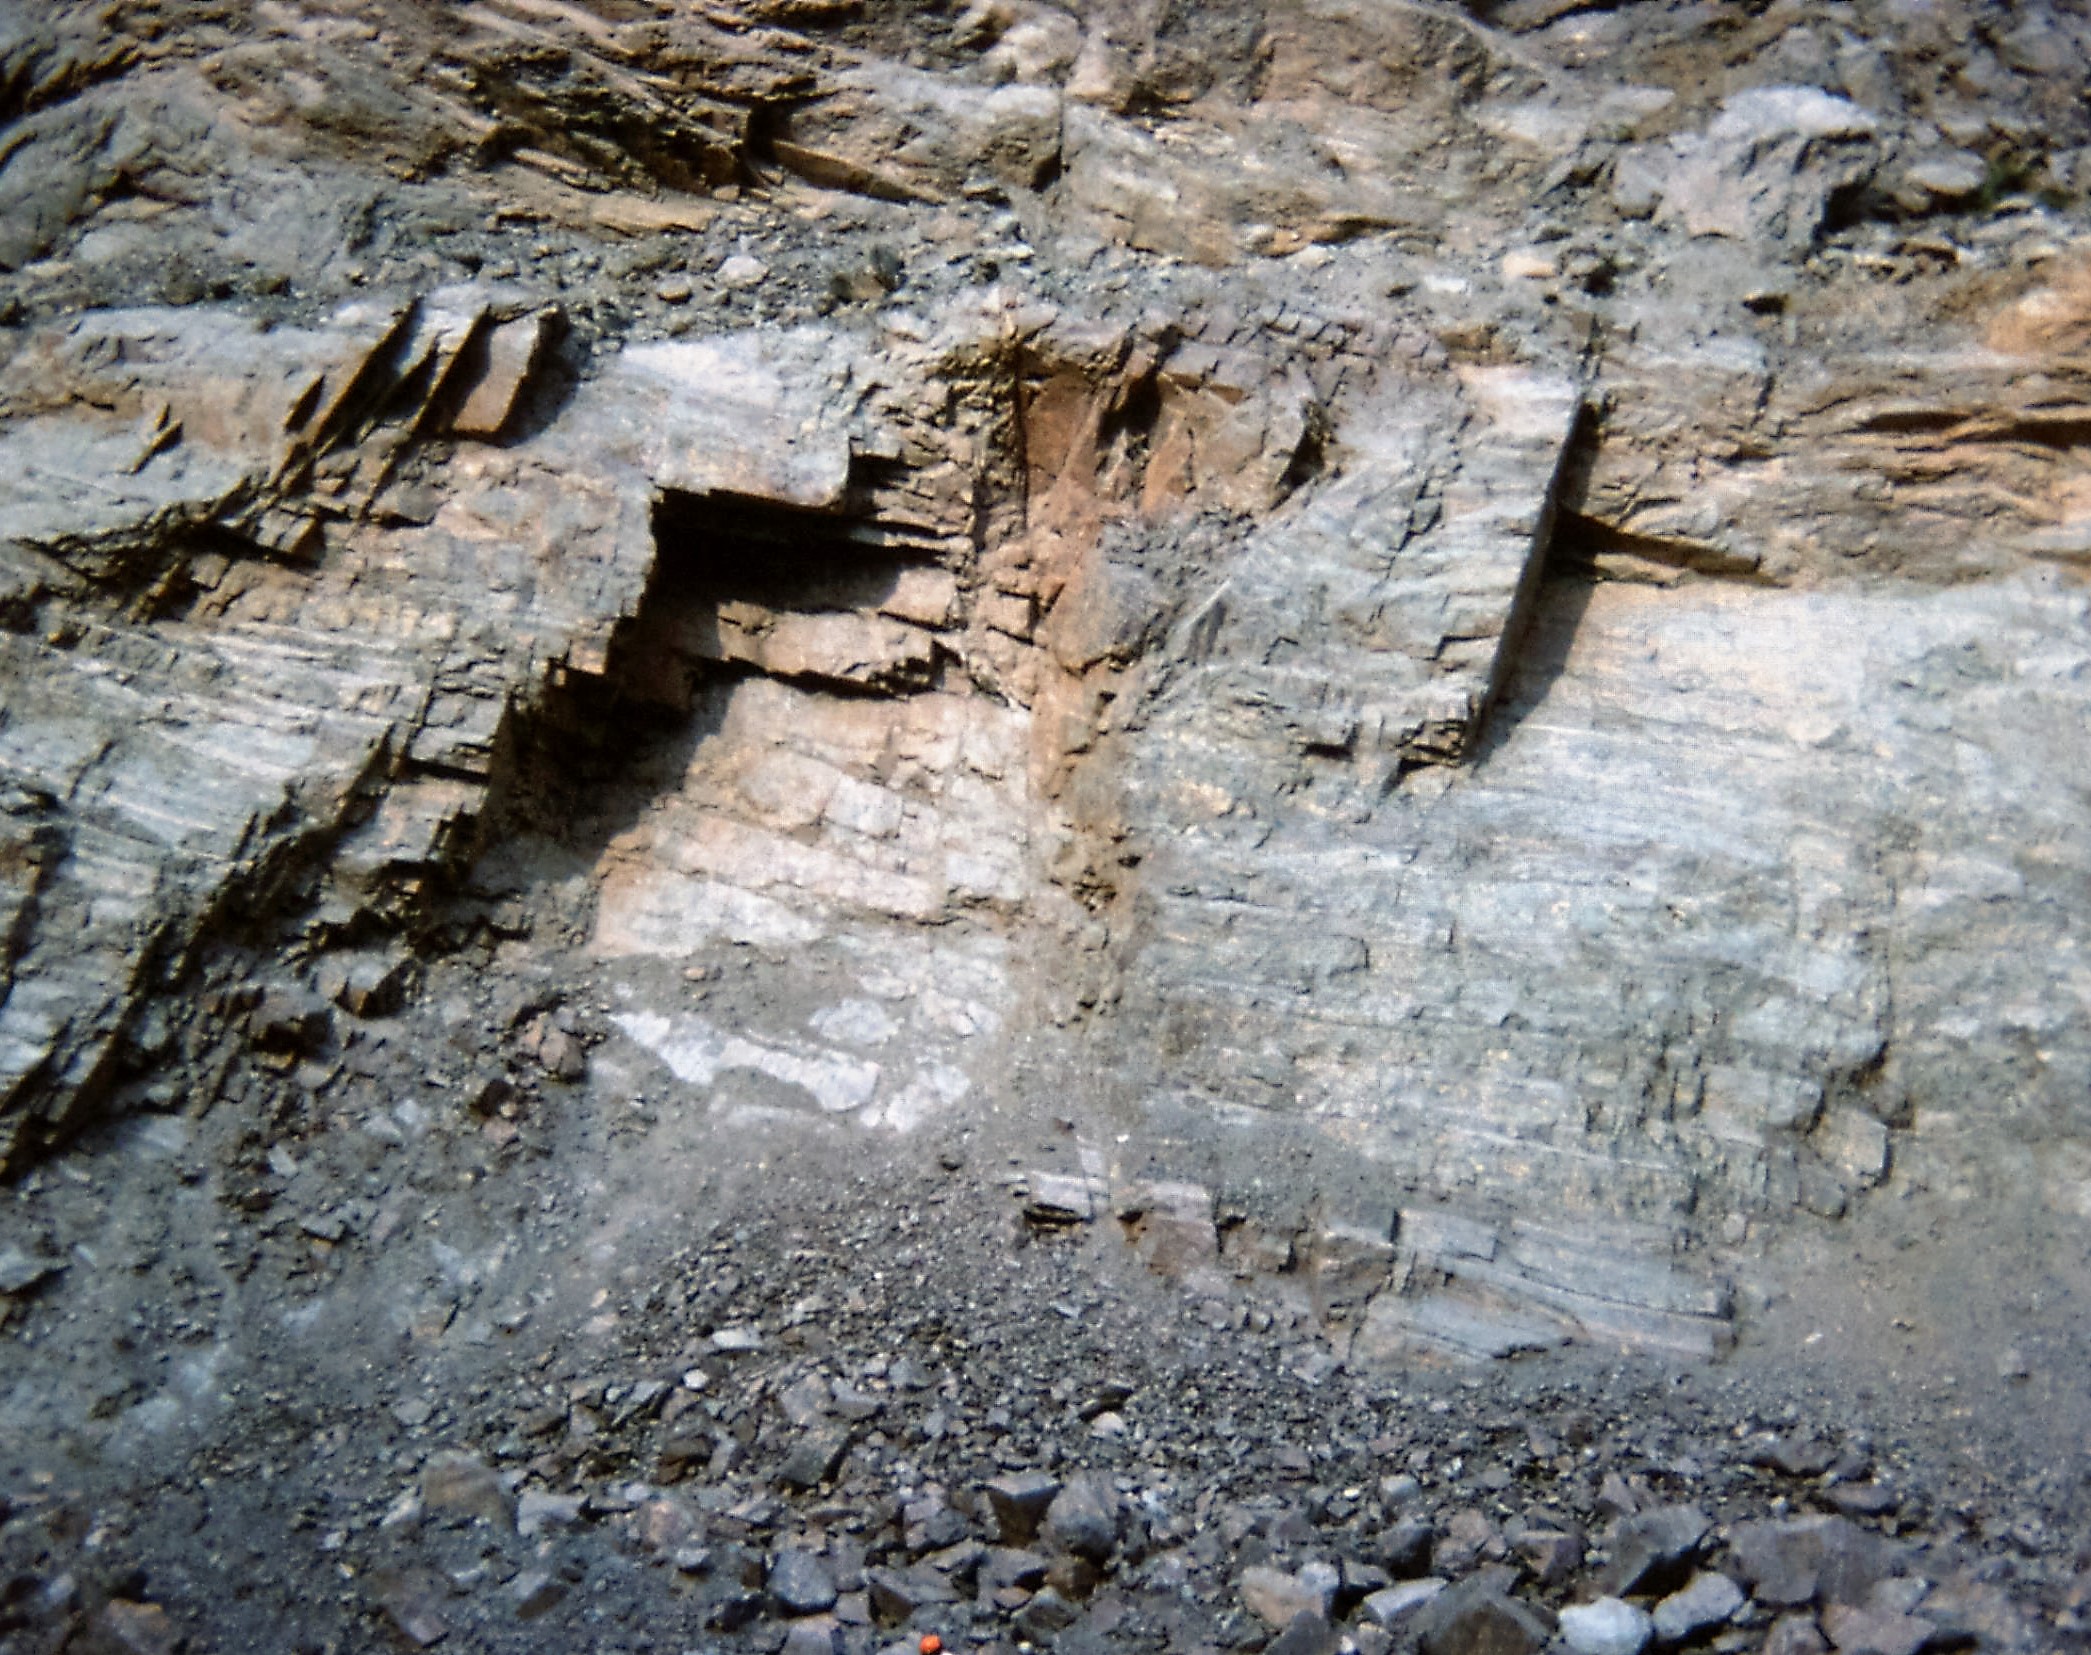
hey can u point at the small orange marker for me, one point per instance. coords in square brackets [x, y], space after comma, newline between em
[931, 1644]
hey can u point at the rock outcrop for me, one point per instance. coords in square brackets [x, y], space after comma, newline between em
[1482, 604]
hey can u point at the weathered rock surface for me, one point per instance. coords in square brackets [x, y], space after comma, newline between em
[1169, 588]
[1418, 667]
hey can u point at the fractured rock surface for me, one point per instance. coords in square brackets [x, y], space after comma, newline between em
[1097, 562]
[1417, 668]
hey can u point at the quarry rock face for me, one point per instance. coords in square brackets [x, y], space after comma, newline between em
[1429, 659]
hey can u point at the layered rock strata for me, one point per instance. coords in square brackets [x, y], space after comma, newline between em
[1470, 628]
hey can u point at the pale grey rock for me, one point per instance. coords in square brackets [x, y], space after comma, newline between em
[1609, 1626]
[539, 1512]
[464, 1485]
[909, 135]
[1949, 176]
[1277, 1596]
[1707, 1599]
[1395, 1604]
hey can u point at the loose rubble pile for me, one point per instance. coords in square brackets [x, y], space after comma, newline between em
[851, 1431]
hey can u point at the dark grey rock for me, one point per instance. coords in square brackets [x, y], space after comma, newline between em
[1551, 1554]
[536, 1592]
[1652, 1549]
[1045, 1615]
[801, 1583]
[1019, 1501]
[1085, 1518]
[1863, 1499]
[464, 1485]
[733, 1608]
[1477, 1617]
[1359, 1582]
[1404, 1549]
[1792, 1561]
[1307, 1634]
[1005, 1566]
[815, 1635]
[412, 1601]
[1856, 1631]
[814, 1457]
[1278, 1597]
[1799, 1454]
[896, 1594]
[1397, 1604]
[1795, 1635]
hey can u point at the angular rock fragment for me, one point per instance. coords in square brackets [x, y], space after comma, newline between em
[815, 1456]
[536, 1593]
[1609, 1626]
[1795, 1635]
[1277, 1597]
[1306, 1634]
[1020, 1501]
[1858, 1631]
[896, 1594]
[1653, 1547]
[1085, 1518]
[1397, 1604]
[465, 1485]
[125, 1627]
[1476, 1617]
[1708, 1599]
[1794, 1561]
[1046, 1614]
[411, 1600]
[512, 351]
[801, 1582]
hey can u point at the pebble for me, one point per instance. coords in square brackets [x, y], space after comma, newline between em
[814, 1635]
[1856, 1631]
[1610, 1626]
[1795, 1635]
[536, 1511]
[801, 1583]
[1397, 1603]
[536, 1592]
[1277, 1596]
[464, 1485]
[815, 1457]
[1652, 1543]
[1306, 1634]
[1019, 1502]
[1707, 1600]
[743, 270]
[1084, 1518]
